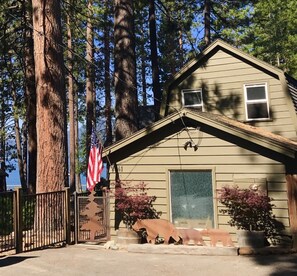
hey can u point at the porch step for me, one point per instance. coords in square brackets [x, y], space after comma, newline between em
[182, 249]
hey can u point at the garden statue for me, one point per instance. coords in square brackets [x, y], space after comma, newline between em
[156, 228]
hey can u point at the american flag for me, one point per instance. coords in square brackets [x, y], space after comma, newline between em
[95, 165]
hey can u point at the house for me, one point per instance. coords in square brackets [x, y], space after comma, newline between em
[226, 119]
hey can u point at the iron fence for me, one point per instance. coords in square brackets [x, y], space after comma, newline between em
[44, 218]
[34, 221]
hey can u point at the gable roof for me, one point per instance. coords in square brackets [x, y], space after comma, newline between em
[292, 87]
[212, 49]
[246, 136]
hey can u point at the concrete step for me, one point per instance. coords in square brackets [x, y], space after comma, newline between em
[182, 249]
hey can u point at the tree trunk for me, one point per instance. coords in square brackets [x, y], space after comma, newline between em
[19, 152]
[71, 105]
[76, 134]
[89, 80]
[206, 22]
[143, 75]
[30, 99]
[181, 48]
[292, 205]
[18, 142]
[143, 58]
[125, 69]
[52, 173]
[106, 50]
[15, 108]
[2, 145]
[154, 58]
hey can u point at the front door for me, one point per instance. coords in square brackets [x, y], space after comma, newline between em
[192, 199]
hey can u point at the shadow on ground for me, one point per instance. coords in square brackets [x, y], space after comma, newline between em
[11, 260]
[286, 264]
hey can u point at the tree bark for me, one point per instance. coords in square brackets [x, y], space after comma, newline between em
[292, 205]
[52, 173]
[125, 69]
[108, 124]
[18, 142]
[143, 75]
[15, 107]
[71, 105]
[77, 174]
[3, 186]
[207, 22]
[30, 99]
[89, 80]
[154, 59]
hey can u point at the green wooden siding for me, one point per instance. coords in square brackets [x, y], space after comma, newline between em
[224, 75]
[228, 162]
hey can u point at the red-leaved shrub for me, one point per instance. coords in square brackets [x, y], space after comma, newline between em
[250, 210]
[134, 203]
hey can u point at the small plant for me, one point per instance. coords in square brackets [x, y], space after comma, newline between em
[250, 210]
[134, 203]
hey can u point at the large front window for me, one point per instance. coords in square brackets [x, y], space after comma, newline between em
[192, 98]
[192, 199]
[256, 102]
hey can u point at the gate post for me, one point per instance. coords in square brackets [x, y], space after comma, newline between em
[75, 218]
[67, 216]
[18, 228]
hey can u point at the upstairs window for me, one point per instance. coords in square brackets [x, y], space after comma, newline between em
[256, 101]
[192, 98]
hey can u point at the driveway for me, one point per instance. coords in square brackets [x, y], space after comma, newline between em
[95, 260]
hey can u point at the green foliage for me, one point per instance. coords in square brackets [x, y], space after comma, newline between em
[250, 210]
[248, 24]
[28, 213]
[275, 21]
[230, 20]
[6, 213]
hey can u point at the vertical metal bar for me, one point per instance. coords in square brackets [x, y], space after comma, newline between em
[48, 221]
[18, 222]
[107, 207]
[51, 218]
[67, 215]
[59, 216]
[75, 218]
[39, 229]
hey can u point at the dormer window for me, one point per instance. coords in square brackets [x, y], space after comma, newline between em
[192, 98]
[256, 101]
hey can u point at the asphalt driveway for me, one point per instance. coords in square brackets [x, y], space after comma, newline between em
[95, 260]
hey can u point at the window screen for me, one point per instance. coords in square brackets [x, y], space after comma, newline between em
[192, 98]
[192, 199]
[256, 102]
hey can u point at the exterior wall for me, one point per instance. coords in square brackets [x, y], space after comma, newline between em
[222, 80]
[230, 164]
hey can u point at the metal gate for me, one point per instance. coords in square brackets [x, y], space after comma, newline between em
[30, 222]
[92, 214]
[33, 221]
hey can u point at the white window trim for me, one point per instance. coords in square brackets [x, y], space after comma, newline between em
[192, 91]
[246, 101]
